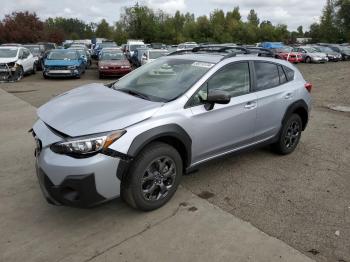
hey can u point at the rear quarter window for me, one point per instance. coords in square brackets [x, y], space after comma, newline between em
[289, 73]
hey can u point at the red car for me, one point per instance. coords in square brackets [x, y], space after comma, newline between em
[286, 53]
[113, 62]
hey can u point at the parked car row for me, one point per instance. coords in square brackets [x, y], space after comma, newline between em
[315, 53]
[17, 60]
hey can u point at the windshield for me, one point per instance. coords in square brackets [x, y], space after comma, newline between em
[163, 80]
[324, 49]
[104, 45]
[344, 48]
[156, 54]
[35, 50]
[310, 50]
[81, 52]
[66, 55]
[8, 52]
[112, 56]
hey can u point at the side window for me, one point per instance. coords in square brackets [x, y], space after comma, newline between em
[289, 73]
[25, 53]
[283, 78]
[267, 76]
[20, 55]
[233, 78]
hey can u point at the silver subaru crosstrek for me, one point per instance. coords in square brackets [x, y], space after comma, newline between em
[136, 137]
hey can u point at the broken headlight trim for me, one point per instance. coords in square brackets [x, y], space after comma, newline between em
[86, 146]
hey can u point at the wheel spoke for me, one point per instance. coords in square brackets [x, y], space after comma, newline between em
[161, 164]
[149, 190]
[170, 172]
[163, 188]
[150, 176]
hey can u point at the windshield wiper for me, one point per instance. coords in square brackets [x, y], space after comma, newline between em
[135, 93]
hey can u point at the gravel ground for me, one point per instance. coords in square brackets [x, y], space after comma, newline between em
[302, 199]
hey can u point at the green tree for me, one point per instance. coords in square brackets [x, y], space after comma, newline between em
[343, 18]
[104, 30]
[328, 28]
[253, 18]
[300, 31]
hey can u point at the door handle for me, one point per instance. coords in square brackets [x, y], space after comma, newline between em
[288, 96]
[250, 105]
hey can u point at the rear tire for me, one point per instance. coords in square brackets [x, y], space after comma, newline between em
[153, 177]
[289, 136]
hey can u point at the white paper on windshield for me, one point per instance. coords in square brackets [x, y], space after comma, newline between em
[203, 64]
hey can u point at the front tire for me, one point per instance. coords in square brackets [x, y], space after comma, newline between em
[308, 60]
[153, 177]
[289, 136]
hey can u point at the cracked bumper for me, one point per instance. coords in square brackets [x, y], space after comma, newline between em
[65, 180]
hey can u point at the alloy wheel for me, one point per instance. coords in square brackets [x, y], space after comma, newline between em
[158, 179]
[292, 135]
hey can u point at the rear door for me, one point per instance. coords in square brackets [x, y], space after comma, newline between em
[274, 94]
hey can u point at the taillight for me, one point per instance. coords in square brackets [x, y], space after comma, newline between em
[308, 87]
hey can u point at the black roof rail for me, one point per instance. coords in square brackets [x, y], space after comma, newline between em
[180, 52]
[260, 51]
[212, 49]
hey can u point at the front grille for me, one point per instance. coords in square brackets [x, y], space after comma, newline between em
[58, 67]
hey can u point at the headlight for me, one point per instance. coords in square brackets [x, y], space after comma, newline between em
[85, 146]
[72, 67]
[125, 67]
[103, 67]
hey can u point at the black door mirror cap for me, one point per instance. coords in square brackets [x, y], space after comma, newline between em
[216, 97]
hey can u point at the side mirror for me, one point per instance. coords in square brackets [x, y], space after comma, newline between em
[216, 97]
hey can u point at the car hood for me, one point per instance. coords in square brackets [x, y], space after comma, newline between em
[114, 63]
[61, 62]
[95, 108]
[7, 60]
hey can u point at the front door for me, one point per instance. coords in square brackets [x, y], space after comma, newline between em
[225, 127]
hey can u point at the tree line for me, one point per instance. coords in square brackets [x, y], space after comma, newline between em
[142, 22]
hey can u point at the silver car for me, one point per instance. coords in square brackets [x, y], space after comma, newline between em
[135, 138]
[311, 55]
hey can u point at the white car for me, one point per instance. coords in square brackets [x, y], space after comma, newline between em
[132, 45]
[152, 54]
[186, 45]
[15, 62]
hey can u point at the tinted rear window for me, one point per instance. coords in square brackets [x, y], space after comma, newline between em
[289, 73]
[283, 78]
[267, 76]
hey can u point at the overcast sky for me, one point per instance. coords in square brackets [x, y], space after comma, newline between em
[290, 12]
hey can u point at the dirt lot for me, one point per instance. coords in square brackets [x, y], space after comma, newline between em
[302, 199]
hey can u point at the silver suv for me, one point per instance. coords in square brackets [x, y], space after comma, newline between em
[135, 138]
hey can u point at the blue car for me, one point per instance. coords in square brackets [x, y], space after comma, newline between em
[64, 63]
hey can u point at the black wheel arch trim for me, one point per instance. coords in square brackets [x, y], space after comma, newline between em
[155, 134]
[295, 107]
[171, 130]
